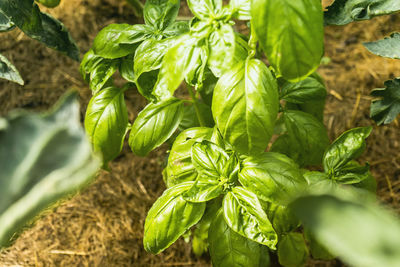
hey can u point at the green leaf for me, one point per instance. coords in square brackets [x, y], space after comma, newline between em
[388, 47]
[179, 60]
[348, 146]
[148, 58]
[245, 106]
[292, 250]
[106, 122]
[222, 46]
[43, 158]
[244, 214]
[5, 23]
[386, 109]
[49, 3]
[272, 176]
[306, 138]
[364, 234]
[281, 217]
[119, 40]
[292, 35]
[190, 118]
[176, 28]
[309, 89]
[25, 14]
[315, 108]
[9, 72]
[204, 9]
[342, 12]
[229, 249]
[154, 125]
[180, 167]
[240, 9]
[126, 68]
[317, 251]
[204, 189]
[352, 173]
[160, 13]
[169, 218]
[209, 159]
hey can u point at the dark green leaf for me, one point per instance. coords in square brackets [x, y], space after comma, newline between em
[240, 9]
[342, 12]
[318, 251]
[106, 122]
[119, 40]
[292, 250]
[25, 14]
[364, 234]
[154, 125]
[352, 173]
[209, 159]
[229, 249]
[9, 72]
[386, 109]
[148, 58]
[160, 13]
[190, 118]
[180, 167]
[207, 89]
[315, 108]
[272, 176]
[43, 158]
[348, 146]
[388, 47]
[5, 23]
[306, 137]
[49, 3]
[244, 214]
[204, 9]
[126, 68]
[291, 34]
[169, 218]
[281, 217]
[304, 91]
[245, 106]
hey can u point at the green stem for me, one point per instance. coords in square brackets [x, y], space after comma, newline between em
[196, 107]
[252, 41]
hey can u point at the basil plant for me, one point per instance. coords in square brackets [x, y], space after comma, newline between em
[247, 133]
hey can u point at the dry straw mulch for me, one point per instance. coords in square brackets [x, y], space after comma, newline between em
[103, 225]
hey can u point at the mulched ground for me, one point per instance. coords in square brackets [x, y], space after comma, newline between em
[103, 226]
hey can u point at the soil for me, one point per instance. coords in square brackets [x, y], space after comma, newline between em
[103, 225]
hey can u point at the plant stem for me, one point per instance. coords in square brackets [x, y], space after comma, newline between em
[196, 107]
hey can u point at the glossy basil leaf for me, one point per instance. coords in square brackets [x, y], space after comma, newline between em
[388, 47]
[244, 214]
[271, 176]
[306, 137]
[245, 106]
[43, 159]
[240, 9]
[25, 14]
[176, 28]
[5, 23]
[179, 60]
[169, 218]
[148, 58]
[387, 107]
[119, 40]
[126, 68]
[200, 233]
[180, 167]
[291, 33]
[352, 173]
[313, 177]
[9, 72]
[342, 12]
[204, 189]
[309, 89]
[364, 234]
[368, 183]
[154, 125]
[222, 48]
[348, 146]
[191, 120]
[209, 159]
[281, 217]
[317, 251]
[207, 89]
[204, 9]
[160, 13]
[49, 3]
[106, 122]
[229, 249]
[292, 250]
[315, 108]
